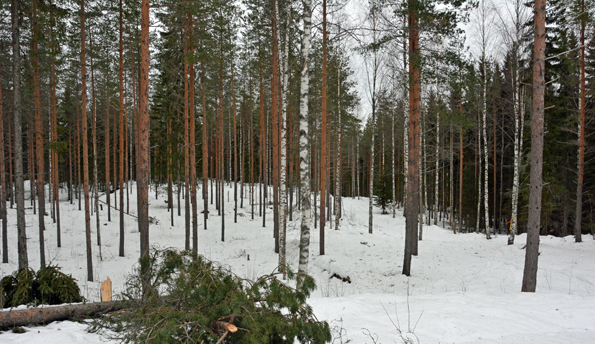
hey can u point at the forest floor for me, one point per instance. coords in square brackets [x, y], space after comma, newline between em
[463, 288]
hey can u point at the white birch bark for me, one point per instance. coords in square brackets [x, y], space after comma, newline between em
[371, 184]
[437, 168]
[485, 153]
[305, 193]
[392, 141]
[339, 150]
[283, 164]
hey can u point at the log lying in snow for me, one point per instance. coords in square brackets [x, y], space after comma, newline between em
[28, 316]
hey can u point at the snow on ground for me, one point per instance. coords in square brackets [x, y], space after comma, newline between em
[463, 288]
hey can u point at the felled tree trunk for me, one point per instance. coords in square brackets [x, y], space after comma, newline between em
[22, 317]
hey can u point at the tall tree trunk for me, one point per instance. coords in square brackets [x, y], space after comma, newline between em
[85, 147]
[339, 151]
[486, 165]
[205, 151]
[121, 133]
[38, 140]
[275, 85]
[581, 134]
[142, 149]
[235, 147]
[107, 150]
[537, 132]
[437, 168]
[461, 166]
[192, 133]
[324, 129]
[95, 168]
[186, 140]
[3, 216]
[18, 136]
[284, 63]
[412, 203]
[304, 156]
[519, 120]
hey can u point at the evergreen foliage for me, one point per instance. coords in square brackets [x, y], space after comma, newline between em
[383, 192]
[188, 294]
[48, 286]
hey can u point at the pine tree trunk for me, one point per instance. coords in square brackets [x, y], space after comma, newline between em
[38, 140]
[143, 171]
[85, 147]
[324, 129]
[235, 148]
[186, 141]
[107, 151]
[304, 156]
[205, 152]
[192, 133]
[18, 137]
[95, 168]
[121, 133]
[537, 133]
[412, 203]
[581, 138]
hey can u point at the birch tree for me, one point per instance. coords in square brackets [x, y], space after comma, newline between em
[304, 149]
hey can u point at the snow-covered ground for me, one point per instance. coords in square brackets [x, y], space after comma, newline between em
[463, 288]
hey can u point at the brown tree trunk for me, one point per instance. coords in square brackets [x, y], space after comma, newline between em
[192, 134]
[581, 139]
[38, 140]
[412, 205]
[324, 128]
[275, 131]
[107, 151]
[19, 191]
[85, 147]
[537, 132]
[235, 149]
[121, 133]
[186, 141]
[142, 170]
[205, 152]
[23, 317]
[95, 168]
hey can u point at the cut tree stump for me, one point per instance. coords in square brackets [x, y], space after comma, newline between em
[45, 315]
[106, 290]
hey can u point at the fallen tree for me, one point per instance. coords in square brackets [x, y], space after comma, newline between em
[45, 315]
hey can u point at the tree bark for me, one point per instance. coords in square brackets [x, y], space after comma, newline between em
[3, 216]
[18, 136]
[192, 134]
[45, 315]
[537, 133]
[581, 134]
[121, 133]
[85, 147]
[412, 203]
[38, 140]
[304, 151]
[142, 171]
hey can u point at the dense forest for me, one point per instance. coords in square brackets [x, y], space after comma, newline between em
[99, 96]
